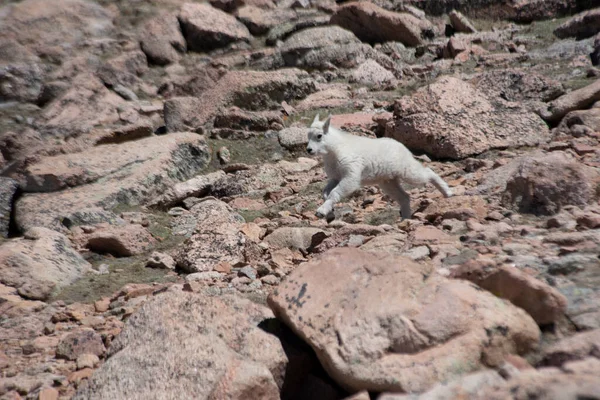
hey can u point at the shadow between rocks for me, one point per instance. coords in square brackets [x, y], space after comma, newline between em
[305, 378]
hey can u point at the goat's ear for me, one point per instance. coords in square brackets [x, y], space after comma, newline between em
[316, 120]
[326, 124]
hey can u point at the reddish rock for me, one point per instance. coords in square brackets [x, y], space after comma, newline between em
[207, 28]
[451, 119]
[102, 305]
[457, 207]
[129, 173]
[216, 238]
[578, 99]
[544, 303]
[40, 261]
[218, 337]
[120, 241]
[576, 347]
[259, 20]
[545, 185]
[372, 23]
[40, 25]
[460, 23]
[250, 90]
[429, 325]
[161, 40]
[48, 393]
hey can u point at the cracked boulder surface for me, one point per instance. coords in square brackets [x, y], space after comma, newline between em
[388, 324]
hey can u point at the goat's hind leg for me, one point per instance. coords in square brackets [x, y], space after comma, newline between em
[438, 182]
[395, 191]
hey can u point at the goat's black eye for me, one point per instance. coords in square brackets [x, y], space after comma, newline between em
[319, 136]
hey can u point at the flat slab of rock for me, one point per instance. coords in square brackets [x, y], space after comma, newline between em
[384, 324]
[450, 118]
[182, 342]
[40, 262]
[142, 170]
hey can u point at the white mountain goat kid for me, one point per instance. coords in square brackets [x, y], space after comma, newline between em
[352, 161]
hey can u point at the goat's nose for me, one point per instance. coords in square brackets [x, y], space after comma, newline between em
[309, 150]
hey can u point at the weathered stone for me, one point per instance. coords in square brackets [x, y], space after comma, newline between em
[292, 238]
[298, 44]
[83, 341]
[8, 189]
[161, 40]
[518, 85]
[84, 106]
[544, 303]
[545, 185]
[465, 387]
[250, 90]
[576, 347]
[21, 82]
[259, 20]
[39, 25]
[161, 260]
[40, 261]
[130, 173]
[198, 186]
[216, 238]
[229, 357]
[207, 28]
[581, 26]
[461, 23]
[430, 325]
[575, 100]
[120, 241]
[370, 73]
[450, 119]
[293, 138]
[374, 24]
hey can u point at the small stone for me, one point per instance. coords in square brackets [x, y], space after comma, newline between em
[270, 280]
[48, 393]
[87, 360]
[224, 155]
[248, 271]
[223, 267]
[176, 211]
[102, 305]
[77, 376]
[203, 276]
[80, 342]
[161, 261]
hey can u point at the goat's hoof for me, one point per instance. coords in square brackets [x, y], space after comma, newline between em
[330, 217]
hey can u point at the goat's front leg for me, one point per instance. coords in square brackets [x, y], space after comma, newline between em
[331, 184]
[345, 188]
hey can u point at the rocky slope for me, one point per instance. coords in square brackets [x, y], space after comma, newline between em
[157, 227]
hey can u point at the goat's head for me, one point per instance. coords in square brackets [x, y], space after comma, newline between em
[317, 136]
